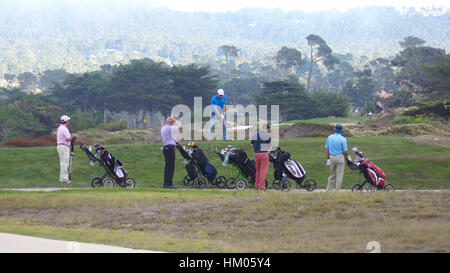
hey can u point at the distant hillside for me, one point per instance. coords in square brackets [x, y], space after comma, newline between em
[79, 37]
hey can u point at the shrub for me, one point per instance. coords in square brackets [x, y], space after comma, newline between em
[114, 126]
[410, 119]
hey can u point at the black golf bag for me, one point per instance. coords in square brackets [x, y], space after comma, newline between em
[240, 158]
[115, 172]
[113, 164]
[284, 165]
[197, 163]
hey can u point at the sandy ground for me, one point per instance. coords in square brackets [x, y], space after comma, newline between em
[293, 189]
[11, 243]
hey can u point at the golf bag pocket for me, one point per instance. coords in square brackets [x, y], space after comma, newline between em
[210, 171]
[294, 168]
[374, 178]
[120, 172]
[191, 171]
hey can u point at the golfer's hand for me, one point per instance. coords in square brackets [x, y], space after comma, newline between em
[328, 162]
[180, 128]
[74, 136]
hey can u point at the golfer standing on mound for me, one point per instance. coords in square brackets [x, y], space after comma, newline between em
[63, 139]
[169, 142]
[218, 108]
[336, 148]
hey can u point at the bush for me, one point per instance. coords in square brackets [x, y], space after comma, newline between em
[410, 119]
[114, 126]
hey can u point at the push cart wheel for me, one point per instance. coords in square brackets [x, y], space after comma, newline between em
[199, 182]
[240, 184]
[357, 187]
[130, 183]
[108, 183]
[310, 185]
[371, 189]
[96, 182]
[231, 183]
[212, 181]
[187, 181]
[276, 184]
[221, 182]
[389, 187]
[285, 185]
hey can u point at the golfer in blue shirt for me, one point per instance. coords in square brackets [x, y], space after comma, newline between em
[336, 148]
[218, 108]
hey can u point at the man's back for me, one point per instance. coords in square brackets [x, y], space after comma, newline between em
[336, 144]
[167, 136]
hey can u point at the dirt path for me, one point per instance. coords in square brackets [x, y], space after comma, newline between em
[11, 243]
[293, 190]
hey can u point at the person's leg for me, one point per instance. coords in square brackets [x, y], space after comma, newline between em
[171, 165]
[224, 130]
[64, 158]
[212, 120]
[258, 170]
[340, 167]
[169, 156]
[264, 166]
[332, 177]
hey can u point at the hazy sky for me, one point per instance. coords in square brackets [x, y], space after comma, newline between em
[234, 5]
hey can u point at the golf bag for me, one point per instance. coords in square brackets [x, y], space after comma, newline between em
[113, 167]
[284, 164]
[197, 163]
[240, 159]
[373, 174]
[113, 164]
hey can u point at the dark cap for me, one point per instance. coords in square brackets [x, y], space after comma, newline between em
[339, 128]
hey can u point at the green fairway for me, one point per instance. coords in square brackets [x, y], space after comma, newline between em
[408, 163]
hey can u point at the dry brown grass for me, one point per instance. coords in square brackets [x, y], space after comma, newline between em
[243, 222]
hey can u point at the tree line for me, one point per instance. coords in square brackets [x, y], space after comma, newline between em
[319, 83]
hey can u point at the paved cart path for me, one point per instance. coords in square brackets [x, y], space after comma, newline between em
[11, 243]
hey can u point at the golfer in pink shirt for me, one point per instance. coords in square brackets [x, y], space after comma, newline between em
[261, 143]
[63, 139]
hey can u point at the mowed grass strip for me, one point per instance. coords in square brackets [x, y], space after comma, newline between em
[408, 163]
[328, 120]
[229, 221]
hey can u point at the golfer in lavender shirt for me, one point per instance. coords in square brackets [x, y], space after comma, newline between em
[169, 142]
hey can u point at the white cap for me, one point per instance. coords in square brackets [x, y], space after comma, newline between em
[65, 118]
[220, 92]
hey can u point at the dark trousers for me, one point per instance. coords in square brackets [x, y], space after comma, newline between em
[169, 155]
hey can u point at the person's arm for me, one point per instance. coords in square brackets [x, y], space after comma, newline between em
[179, 125]
[224, 108]
[254, 138]
[216, 109]
[328, 153]
[346, 149]
[69, 136]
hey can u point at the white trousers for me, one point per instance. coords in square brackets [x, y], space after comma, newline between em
[64, 158]
[337, 167]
